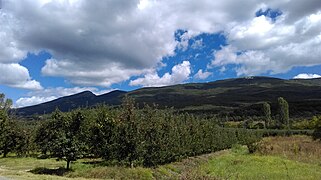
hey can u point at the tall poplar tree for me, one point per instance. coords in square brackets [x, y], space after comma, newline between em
[267, 114]
[284, 119]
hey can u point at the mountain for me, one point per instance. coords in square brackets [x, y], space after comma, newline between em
[233, 97]
[67, 103]
[237, 96]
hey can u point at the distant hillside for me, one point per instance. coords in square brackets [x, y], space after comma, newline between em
[236, 97]
[67, 103]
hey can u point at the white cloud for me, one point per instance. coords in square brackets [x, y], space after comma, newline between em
[202, 75]
[41, 96]
[100, 75]
[10, 48]
[180, 73]
[15, 75]
[249, 62]
[108, 42]
[184, 41]
[33, 100]
[260, 45]
[306, 76]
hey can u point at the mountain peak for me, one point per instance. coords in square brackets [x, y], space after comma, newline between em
[81, 95]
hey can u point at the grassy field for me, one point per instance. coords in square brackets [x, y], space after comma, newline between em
[244, 166]
[296, 157]
[298, 148]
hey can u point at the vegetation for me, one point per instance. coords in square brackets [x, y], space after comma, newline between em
[135, 137]
[235, 163]
[244, 166]
[144, 141]
[284, 119]
[237, 98]
[66, 130]
[267, 114]
[317, 125]
[299, 148]
[12, 136]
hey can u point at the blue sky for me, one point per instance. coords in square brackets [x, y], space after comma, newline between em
[54, 48]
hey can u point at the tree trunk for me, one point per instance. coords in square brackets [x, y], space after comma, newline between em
[68, 164]
[5, 152]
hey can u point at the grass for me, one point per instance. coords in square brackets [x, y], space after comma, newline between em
[283, 161]
[242, 166]
[298, 148]
[38, 169]
[19, 168]
[105, 172]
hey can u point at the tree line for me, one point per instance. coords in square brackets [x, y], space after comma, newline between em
[128, 135]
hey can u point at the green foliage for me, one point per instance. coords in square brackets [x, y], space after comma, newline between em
[12, 136]
[317, 125]
[267, 114]
[5, 104]
[7, 135]
[284, 119]
[306, 123]
[61, 136]
[284, 132]
[150, 136]
[133, 137]
[100, 136]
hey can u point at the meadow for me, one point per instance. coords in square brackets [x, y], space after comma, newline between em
[294, 157]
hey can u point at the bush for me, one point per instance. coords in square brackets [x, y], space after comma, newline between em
[253, 147]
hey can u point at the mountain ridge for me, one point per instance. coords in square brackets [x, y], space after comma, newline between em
[67, 103]
[227, 96]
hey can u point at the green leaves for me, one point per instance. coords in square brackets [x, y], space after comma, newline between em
[267, 114]
[317, 125]
[284, 119]
[151, 136]
[61, 136]
[135, 137]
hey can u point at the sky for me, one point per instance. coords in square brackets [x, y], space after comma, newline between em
[54, 48]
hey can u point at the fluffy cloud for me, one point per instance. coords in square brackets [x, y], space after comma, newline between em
[29, 101]
[10, 48]
[101, 75]
[107, 42]
[180, 73]
[306, 76]
[37, 97]
[202, 75]
[249, 62]
[97, 43]
[261, 45]
[17, 76]
[11, 52]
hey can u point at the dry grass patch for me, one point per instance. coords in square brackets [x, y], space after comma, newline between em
[299, 148]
